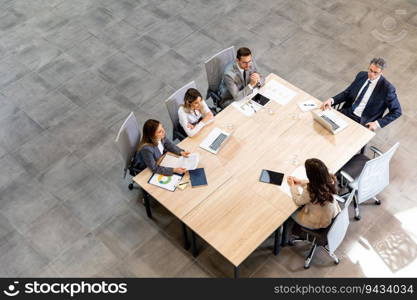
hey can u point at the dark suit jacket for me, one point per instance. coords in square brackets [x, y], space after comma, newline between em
[383, 97]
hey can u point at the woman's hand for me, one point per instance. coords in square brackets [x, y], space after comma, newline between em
[191, 126]
[290, 180]
[207, 117]
[180, 170]
[185, 153]
[297, 181]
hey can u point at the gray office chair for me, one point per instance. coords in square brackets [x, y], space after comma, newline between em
[367, 177]
[215, 69]
[330, 237]
[173, 103]
[127, 139]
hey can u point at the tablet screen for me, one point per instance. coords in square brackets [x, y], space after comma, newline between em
[262, 100]
[271, 177]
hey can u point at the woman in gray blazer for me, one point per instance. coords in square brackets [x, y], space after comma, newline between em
[152, 146]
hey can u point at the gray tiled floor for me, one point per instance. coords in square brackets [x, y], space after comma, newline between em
[71, 71]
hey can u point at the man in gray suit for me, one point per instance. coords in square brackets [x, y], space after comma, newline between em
[240, 78]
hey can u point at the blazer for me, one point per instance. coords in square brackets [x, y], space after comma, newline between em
[148, 155]
[233, 86]
[383, 97]
[312, 215]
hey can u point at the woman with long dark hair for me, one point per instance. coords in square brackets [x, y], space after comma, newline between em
[318, 206]
[152, 146]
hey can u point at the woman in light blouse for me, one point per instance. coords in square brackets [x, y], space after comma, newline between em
[194, 114]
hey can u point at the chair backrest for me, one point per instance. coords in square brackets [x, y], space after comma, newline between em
[127, 139]
[175, 100]
[339, 227]
[215, 67]
[375, 175]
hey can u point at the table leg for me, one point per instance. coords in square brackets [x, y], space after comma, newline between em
[236, 272]
[277, 240]
[193, 244]
[186, 241]
[147, 204]
[284, 236]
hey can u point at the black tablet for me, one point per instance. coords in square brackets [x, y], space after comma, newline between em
[262, 100]
[271, 177]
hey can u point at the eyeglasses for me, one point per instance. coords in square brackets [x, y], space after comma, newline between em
[245, 62]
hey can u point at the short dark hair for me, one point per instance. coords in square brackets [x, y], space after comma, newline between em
[243, 52]
[379, 62]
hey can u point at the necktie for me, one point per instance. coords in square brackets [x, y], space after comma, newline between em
[360, 97]
[244, 78]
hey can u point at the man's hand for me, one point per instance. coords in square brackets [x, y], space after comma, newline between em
[326, 104]
[372, 125]
[254, 79]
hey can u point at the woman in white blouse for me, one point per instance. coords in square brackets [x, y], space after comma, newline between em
[194, 114]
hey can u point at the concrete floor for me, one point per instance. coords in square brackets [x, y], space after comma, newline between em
[71, 71]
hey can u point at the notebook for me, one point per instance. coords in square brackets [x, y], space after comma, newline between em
[198, 177]
[166, 182]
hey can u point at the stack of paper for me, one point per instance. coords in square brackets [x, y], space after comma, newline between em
[189, 163]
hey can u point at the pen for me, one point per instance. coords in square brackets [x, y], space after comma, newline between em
[309, 104]
[182, 183]
[250, 104]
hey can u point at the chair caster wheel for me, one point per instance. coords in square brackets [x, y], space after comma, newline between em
[306, 267]
[378, 202]
[336, 262]
[357, 218]
[130, 186]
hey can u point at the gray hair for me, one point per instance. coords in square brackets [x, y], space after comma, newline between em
[379, 62]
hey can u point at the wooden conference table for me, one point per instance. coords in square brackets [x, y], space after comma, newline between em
[236, 212]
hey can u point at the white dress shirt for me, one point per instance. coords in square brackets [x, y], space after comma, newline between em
[161, 147]
[361, 107]
[192, 117]
[247, 74]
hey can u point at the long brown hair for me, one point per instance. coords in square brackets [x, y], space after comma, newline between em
[148, 133]
[190, 96]
[322, 184]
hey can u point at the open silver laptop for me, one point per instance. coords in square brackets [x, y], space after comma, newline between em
[215, 140]
[329, 120]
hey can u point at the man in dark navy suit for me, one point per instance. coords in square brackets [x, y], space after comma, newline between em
[367, 97]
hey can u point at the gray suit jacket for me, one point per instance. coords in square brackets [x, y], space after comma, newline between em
[232, 86]
[148, 156]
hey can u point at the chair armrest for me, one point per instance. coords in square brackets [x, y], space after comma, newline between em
[376, 151]
[338, 198]
[347, 176]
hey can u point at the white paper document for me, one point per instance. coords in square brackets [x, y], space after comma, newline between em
[166, 182]
[278, 92]
[247, 107]
[307, 105]
[189, 163]
[300, 173]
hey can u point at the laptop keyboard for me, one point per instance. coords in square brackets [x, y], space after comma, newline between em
[330, 121]
[218, 141]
